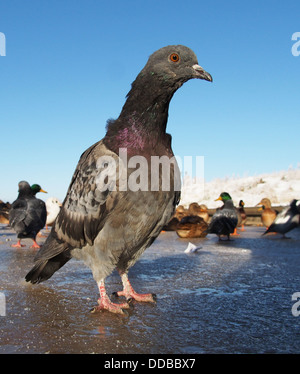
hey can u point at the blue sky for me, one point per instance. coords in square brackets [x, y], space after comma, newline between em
[69, 65]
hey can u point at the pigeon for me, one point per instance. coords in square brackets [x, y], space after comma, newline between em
[225, 219]
[53, 207]
[28, 214]
[106, 220]
[286, 220]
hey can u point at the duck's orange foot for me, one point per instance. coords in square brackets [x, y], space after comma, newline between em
[35, 245]
[18, 245]
[235, 233]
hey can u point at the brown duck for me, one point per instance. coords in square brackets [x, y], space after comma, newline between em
[192, 227]
[268, 213]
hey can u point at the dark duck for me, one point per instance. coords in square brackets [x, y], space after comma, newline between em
[28, 214]
[111, 227]
[287, 220]
[241, 218]
[243, 215]
[225, 219]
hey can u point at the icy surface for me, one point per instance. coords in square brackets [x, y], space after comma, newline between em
[228, 297]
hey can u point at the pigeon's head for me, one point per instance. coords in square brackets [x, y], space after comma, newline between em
[175, 63]
[146, 108]
[53, 201]
[23, 186]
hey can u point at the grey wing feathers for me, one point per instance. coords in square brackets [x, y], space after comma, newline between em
[37, 212]
[84, 208]
[81, 217]
[28, 216]
[17, 215]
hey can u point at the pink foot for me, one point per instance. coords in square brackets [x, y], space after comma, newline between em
[130, 293]
[35, 245]
[104, 302]
[18, 245]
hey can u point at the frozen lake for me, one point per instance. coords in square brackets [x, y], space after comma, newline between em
[229, 297]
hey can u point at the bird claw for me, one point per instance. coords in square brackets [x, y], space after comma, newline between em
[118, 294]
[35, 247]
[111, 307]
[146, 297]
[18, 245]
[97, 309]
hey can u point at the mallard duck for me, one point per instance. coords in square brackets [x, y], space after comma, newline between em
[193, 209]
[225, 220]
[241, 218]
[171, 225]
[268, 213]
[199, 210]
[286, 220]
[204, 213]
[4, 212]
[4, 219]
[28, 214]
[243, 214]
[181, 212]
[192, 227]
[53, 206]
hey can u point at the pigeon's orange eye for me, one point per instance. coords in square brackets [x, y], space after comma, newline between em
[174, 57]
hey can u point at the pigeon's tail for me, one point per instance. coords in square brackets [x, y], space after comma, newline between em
[51, 257]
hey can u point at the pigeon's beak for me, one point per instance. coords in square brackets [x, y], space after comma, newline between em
[201, 73]
[41, 190]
